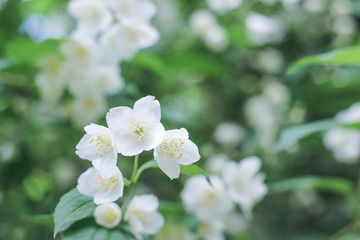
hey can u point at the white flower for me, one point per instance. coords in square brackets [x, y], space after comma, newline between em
[246, 187]
[79, 53]
[92, 16]
[175, 149]
[229, 134]
[207, 202]
[88, 107]
[123, 40]
[216, 39]
[107, 215]
[216, 163]
[138, 129]
[104, 190]
[278, 94]
[201, 21]
[50, 65]
[51, 89]
[350, 115]
[344, 143]
[270, 60]
[263, 30]
[142, 215]
[138, 10]
[212, 230]
[223, 6]
[106, 78]
[98, 146]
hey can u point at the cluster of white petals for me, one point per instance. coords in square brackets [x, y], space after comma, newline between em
[106, 33]
[344, 142]
[214, 204]
[204, 24]
[142, 215]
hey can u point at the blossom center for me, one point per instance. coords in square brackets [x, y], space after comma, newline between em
[107, 183]
[110, 216]
[103, 144]
[93, 14]
[137, 128]
[210, 196]
[172, 147]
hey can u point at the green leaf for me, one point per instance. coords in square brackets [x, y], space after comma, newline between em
[149, 61]
[94, 232]
[192, 170]
[72, 207]
[27, 51]
[355, 126]
[292, 135]
[336, 185]
[346, 56]
[355, 236]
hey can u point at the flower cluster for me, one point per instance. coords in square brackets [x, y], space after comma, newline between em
[204, 24]
[214, 205]
[131, 131]
[344, 142]
[106, 33]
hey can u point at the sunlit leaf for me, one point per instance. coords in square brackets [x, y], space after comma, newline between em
[292, 135]
[96, 233]
[346, 56]
[72, 207]
[336, 185]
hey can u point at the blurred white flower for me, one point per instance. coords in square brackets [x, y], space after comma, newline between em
[341, 7]
[106, 78]
[92, 17]
[98, 146]
[87, 108]
[79, 53]
[51, 88]
[215, 164]
[201, 21]
[138, 129]
[277, 93]
[216, 39]
[207, 202]
[350, 115]
[269, 2]
[263, 30]
[234, 222]
[167, 18]
[123, 40]
[344, 143]
[229, 134]
[50, 65]
[174, 231]
[245, 185]
[104, 190]
[211, 230]
[142, 216]
[138, 10]
[107, 215]
[7, 151]
[345, 25]
[290, 4]
[270, 60]
[175, 149]
[259, 112]
[222, 6]
[314, 5]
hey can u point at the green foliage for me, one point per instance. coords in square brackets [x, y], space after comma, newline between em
[346, 56]
[337, 185]
[72, 207]
[26, 51]
[192, 170]
[94, 232]
[292, 135]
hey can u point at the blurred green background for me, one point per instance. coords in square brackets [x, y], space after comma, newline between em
[198, 89]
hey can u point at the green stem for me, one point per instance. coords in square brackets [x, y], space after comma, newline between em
[130, 184]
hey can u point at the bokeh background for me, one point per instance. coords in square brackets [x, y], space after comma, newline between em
[234, 101]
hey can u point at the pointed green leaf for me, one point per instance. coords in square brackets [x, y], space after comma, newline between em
[292, 135]
[72, 207]
[346, 56]
[336, 185]
[192, 170]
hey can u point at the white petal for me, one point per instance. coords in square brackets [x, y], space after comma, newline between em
[107, 215]
[154, 136]
[146, 202]
[169, 166]
[129, 146]
[118, 119]
[177, 133]
[148, 108]
[250, 165]
[153, 222]
[87, 182]
[96, 129]
[108, 165]
[190, 153]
